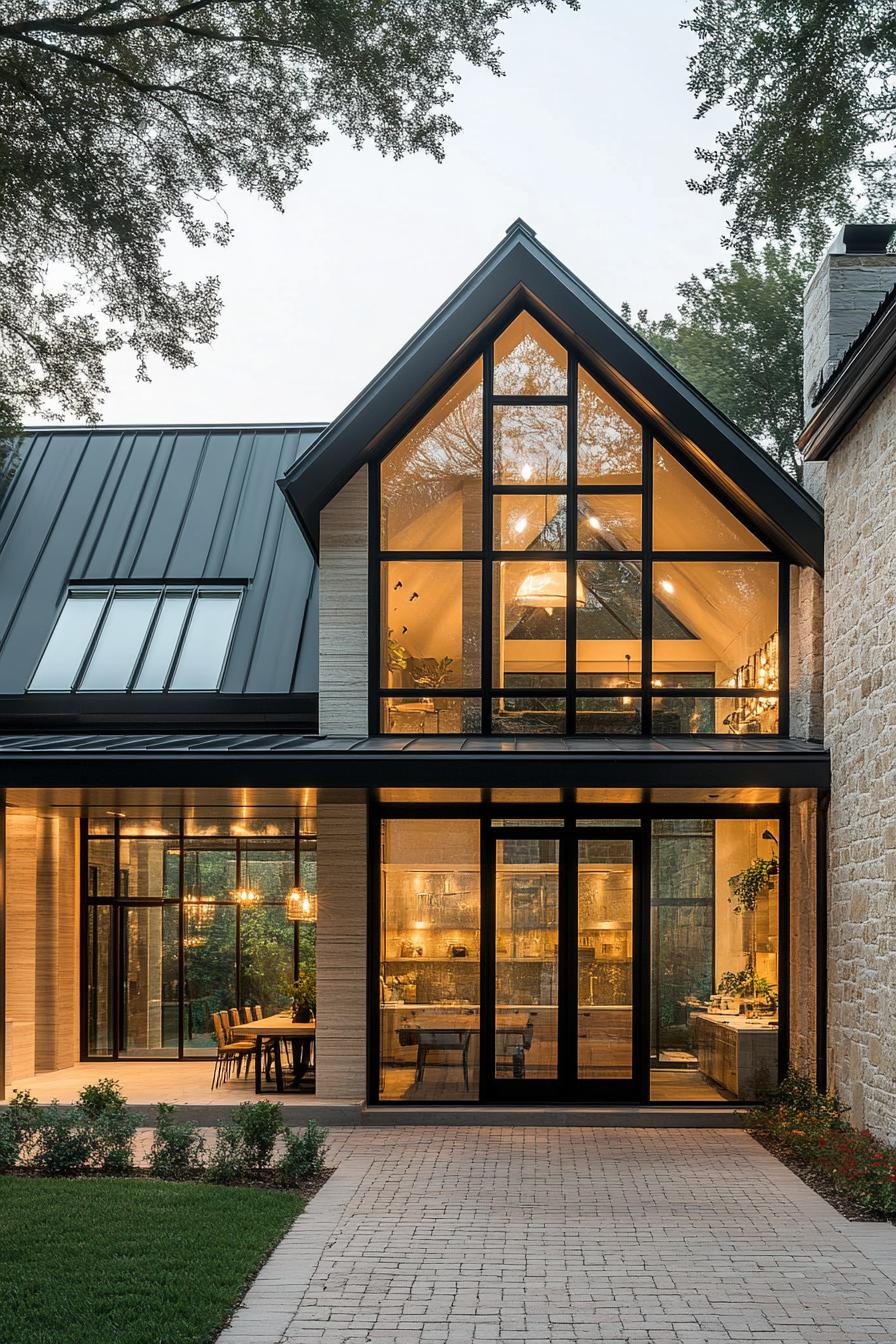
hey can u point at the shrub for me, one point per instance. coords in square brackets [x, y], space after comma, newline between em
[18, 1126]
[228, 1161]
[259, 1124]
[110, 1136]
[101, 1098]
[177, 1150]
[812, 1126]
[303, 1154]
[62, 1142]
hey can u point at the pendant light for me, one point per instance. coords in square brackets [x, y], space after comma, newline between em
[546, 588]
[301, 906]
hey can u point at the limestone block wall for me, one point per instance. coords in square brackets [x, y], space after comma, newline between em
[42, 944]
[341, 1047]
[344, 561]
[860, 715]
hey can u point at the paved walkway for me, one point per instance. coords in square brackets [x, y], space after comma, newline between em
[537, 1236]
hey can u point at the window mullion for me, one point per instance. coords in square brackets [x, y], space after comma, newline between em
[488, 535]
[93, 641]
[647, 582]
[572, 527]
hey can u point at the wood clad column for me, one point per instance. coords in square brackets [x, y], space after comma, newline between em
[344, 561]
[341, 1048]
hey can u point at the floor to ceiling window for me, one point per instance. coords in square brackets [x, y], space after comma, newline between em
[547, 564]
[184, 919]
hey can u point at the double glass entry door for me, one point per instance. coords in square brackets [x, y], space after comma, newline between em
[561, 1010]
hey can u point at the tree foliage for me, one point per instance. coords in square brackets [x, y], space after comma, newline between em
[121, 120]
[811, 85]
[737, 336]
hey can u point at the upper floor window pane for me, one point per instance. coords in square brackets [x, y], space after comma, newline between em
[153, 675]
[529, 623]
[431, 483]
[205, 645]
[121, 639]
[431, 624]
[530, 445]
[530, 522]
[69, 642]
[609, 449]
[609, 522]
[687, 517]
[715, 624]
[529, 362]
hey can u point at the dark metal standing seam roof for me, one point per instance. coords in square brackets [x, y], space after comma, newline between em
[162, 505]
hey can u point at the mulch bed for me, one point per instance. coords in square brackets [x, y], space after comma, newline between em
[817, 1181]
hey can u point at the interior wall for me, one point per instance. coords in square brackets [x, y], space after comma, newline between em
[344, 561]
[42, 944]
[803, 932]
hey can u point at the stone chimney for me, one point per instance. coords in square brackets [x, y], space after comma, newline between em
[844, 293]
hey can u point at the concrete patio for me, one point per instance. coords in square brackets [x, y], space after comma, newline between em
[535, 1236]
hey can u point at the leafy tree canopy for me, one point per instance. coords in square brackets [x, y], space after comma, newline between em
[811, 85]
[737, 336]
[120, 120]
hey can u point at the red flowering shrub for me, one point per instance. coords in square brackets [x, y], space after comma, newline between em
[813, 1126]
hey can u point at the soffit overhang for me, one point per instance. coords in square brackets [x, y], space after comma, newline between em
[520, 272]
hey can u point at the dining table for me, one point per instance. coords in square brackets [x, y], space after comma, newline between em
[279, 1028]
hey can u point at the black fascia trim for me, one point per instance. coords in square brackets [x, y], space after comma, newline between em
[156, 711]
[520, 269]
[194, 769]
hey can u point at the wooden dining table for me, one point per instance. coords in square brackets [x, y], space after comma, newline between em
[279, 1027]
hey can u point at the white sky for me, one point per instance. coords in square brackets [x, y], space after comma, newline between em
[589, 137]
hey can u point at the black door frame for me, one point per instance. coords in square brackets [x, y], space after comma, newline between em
[567, 1087]
[625, 820]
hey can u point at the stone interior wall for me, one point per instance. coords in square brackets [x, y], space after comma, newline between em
[803, 931]
[42, 945]
[344, 561]
[806, 654]
[341, 1045]
[860, 717]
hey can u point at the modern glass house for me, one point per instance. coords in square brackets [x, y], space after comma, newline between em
[513, 667]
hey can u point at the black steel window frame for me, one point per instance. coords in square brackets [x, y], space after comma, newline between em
[642, 689]
[630, 821]
[192, 589]
[117, 903]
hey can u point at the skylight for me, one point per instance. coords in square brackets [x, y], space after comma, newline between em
[139, 639]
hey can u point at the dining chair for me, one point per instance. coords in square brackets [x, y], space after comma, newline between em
[229, 1052]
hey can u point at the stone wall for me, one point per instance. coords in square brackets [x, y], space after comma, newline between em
[42, 944]
[806, 654]
[344, 560]
[341, 1047]
[860, 716]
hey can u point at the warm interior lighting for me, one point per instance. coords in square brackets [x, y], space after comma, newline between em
[594, 523]
[520, 525]
[246, 895]
[526, 471]
[547, 589]
[301, 906]
[666, 586]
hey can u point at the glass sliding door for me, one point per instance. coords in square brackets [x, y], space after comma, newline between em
[149, 981]
[605, 955]
[527, 951]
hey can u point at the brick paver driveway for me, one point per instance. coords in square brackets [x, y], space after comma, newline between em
[431, 1235]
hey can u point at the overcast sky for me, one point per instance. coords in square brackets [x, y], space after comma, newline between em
[589, 137]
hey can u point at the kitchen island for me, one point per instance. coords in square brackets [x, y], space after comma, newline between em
[737, 1052]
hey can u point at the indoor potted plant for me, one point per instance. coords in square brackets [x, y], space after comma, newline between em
[303, 996]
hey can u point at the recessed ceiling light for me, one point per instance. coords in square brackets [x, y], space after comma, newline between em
[520, 525]
[666, 586]
[594, 523]
[526, 472]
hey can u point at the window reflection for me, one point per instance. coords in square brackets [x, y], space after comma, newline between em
[530, 445]
[609, 440]
[528, 361]
[526, 958]
[431, 483]
[530, 522]
[429, 961]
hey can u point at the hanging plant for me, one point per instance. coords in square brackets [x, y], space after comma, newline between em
[747, 885]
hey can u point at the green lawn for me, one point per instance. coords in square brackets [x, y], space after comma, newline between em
[104, 1261]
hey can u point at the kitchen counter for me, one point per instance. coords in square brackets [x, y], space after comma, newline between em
[739, 1053]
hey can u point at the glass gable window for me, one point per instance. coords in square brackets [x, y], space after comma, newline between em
[601, 584]
[143, 639]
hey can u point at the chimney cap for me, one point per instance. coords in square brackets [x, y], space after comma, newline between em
[860, 239]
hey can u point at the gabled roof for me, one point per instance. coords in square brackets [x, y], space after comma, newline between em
[160, 504]
[520, 270]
